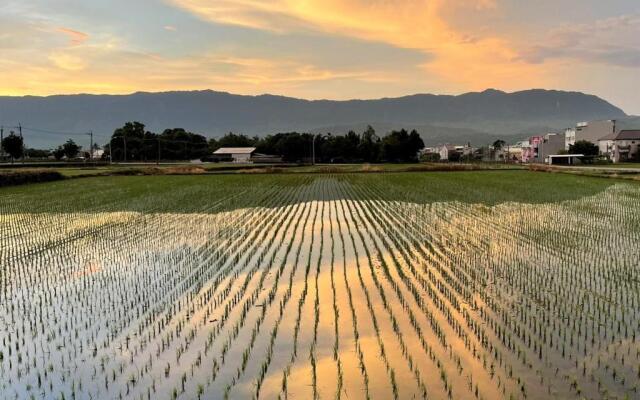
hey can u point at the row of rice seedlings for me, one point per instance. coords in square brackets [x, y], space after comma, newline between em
[536, 295]
[364, 215]
[250, 297]
[405, 245]
[94, 349]
[574, 278]
[263, 306]
[392, 318]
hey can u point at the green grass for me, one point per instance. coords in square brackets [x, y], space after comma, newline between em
[612, 165]
[73, 171]
[193, 193]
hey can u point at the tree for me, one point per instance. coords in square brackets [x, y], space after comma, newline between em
[499, 144]
[369, 147]
[13, 145]
[36, 153]
[401, 146]
[58, 153]
[584, 147]
[70, 149]
[232, 140]
[179, 144]
[130, 137]
[430, 157]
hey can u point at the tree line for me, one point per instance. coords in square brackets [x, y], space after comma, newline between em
[396, 146]
[133, 142]
[13, 146]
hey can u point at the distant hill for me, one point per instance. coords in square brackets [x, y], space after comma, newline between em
[473, 117]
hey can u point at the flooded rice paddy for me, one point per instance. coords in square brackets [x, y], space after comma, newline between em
[326, 290]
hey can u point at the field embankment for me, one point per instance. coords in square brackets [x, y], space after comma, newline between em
[22, 177]
[626, 172]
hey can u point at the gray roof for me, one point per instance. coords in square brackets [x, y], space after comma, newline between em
[629, 135]
[235, 150]
[611, 136]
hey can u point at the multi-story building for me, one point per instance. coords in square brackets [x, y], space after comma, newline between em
[530, 149]
[569, 137]
[552, 143]
[593, 131]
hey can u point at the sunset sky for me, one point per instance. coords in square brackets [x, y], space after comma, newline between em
[335, 49]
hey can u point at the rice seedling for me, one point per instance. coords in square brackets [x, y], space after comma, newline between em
[349, 286]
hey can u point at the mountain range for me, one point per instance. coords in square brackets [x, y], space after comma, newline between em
[477, 117]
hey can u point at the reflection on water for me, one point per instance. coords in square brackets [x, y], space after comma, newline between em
[344, 298]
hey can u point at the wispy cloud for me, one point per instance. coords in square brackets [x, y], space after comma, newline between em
[319, 48]
[611, 41]
[467, 60]
[75, 37]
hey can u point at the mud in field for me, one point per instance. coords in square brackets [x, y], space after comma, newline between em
[339, 295]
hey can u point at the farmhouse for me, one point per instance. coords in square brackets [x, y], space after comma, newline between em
[621, 146]
[234, 154]
[448, 152]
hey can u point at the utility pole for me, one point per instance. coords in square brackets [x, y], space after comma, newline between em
[22, 139]
[313, 150]
[158, 152]
[91, 146]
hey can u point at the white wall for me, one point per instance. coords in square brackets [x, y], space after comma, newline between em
[241, 158]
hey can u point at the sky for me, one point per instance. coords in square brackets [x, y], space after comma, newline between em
[333, 49]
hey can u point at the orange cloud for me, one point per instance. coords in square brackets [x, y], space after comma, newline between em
[464, 60]
[75, 37]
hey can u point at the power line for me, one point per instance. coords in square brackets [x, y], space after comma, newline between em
[51, 132]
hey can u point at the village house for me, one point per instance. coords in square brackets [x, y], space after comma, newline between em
[530, 149]
[621, 146]
[448, 152]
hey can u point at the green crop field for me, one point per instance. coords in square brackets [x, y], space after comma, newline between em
[461, 285]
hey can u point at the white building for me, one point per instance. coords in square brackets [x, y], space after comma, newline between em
[446, 151]
[234, 154]
[569, 137]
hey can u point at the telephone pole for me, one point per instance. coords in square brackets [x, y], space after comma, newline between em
[313, 150]
[22, 139]
[90, 133]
